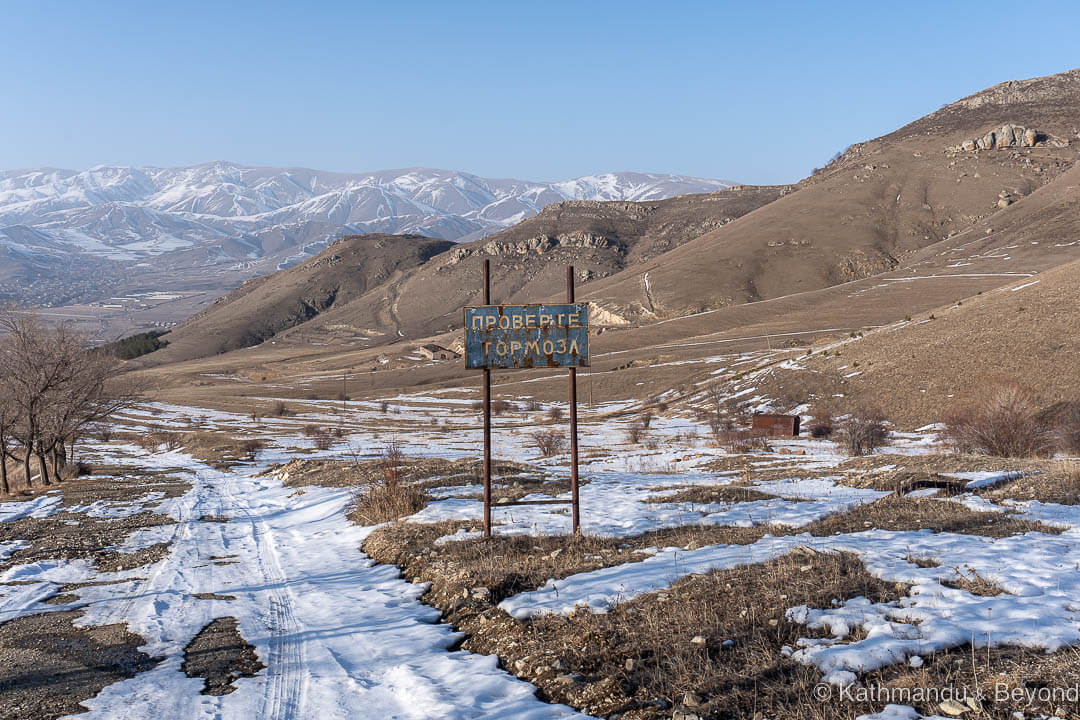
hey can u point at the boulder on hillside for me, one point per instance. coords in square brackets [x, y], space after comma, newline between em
[1008, 135]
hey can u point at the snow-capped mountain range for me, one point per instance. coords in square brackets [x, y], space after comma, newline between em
[224, 212]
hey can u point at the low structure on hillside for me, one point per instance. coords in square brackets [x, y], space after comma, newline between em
[776, 425]
[437, 352]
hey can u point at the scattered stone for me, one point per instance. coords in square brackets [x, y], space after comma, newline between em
[951, 707]
[691, 700]
[543, 672]
[477, 593]
[570, 679]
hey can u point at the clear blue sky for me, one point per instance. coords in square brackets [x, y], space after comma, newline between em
[755, 92]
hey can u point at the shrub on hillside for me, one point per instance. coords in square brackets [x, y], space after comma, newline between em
[549, 442]
[498, 407]
[1003, 420]
[1063, 418]
[635, 432]
[133, 346]
[862, 431]
[250, 447]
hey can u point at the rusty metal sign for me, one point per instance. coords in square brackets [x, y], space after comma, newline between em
[527, 336]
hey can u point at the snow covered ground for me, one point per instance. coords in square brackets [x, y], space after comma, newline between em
[342, 637]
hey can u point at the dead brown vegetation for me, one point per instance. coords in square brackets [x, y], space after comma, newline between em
[386, 496]
[821, 425]
[549, 442]
[1003, 419]
[711, 494]
[862, 430]
[1058, 484]
[742, 441]
[907, 513]
[716, 636]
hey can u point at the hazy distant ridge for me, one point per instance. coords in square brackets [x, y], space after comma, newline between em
[227, 213]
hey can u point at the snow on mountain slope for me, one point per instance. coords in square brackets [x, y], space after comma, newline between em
[232, 212]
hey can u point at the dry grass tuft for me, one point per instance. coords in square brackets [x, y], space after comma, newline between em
[280, 409]
[907, 513]
[386, 496]
[635, 432]
[1060, 484]
[705, 494]
[742, 441]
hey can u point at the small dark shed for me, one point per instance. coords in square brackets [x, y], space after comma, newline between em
[777, 425]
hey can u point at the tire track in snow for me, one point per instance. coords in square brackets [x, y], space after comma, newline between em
[142, 588]
[285, 686]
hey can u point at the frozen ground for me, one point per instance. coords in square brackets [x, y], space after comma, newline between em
[342, 637]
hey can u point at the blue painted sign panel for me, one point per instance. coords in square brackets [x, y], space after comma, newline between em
[527, 336]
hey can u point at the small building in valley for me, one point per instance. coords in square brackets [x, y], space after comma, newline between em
[437, 352]
[776, 425]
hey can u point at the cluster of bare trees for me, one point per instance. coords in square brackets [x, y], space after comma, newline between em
[53, 389]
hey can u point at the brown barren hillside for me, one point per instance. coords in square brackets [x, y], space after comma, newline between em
[264, 306]
[529, 259]
[369, 292]
[870, 210]
[1027, 332]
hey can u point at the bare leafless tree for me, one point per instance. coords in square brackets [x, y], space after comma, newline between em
[8, 419]
[55, 387]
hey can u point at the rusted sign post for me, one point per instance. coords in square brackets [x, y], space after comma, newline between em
[528, 336]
